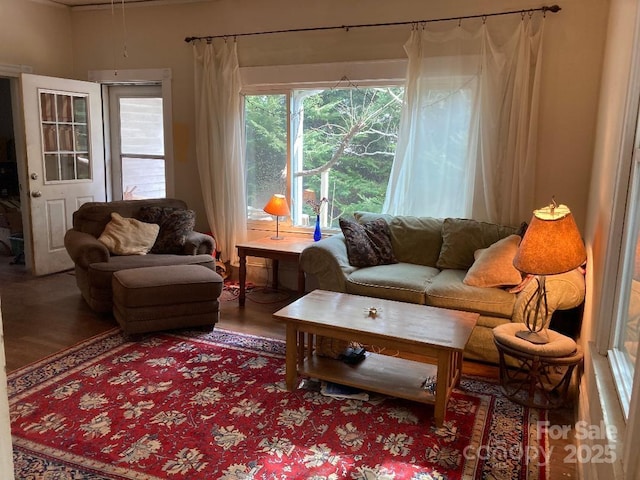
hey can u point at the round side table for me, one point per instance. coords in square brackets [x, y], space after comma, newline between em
[536, 375]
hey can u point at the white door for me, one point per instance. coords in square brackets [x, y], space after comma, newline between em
[65, 161]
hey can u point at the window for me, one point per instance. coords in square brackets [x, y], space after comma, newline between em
[334, 143]
[626, 332]
[137, 139]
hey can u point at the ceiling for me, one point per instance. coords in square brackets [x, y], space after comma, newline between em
[91, 3]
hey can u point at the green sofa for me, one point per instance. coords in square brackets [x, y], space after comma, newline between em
[434, 256]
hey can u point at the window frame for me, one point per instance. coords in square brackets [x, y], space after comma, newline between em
[153, 76]
[284, 79]
[115, 93]
[622, 370]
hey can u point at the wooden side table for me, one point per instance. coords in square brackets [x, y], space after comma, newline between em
[287, 249]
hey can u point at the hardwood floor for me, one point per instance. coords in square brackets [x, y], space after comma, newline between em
[42, 315]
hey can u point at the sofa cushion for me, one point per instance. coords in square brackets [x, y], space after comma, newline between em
[128, 236]
[99, 274]
[175, 225]
[364, 217]
[493, 266]
[369, 243]
[404, 282]
[416, 239]
[447, 290]
[462, 237]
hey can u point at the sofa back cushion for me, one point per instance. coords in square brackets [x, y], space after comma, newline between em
[462, 237]
[415, 240]
[92, 217]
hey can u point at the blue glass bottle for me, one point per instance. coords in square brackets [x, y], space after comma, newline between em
[317, 234]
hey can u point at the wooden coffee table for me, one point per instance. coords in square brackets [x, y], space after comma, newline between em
[431, 332]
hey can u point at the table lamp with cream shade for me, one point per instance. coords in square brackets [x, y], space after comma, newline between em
[551, 245]
[279, 207]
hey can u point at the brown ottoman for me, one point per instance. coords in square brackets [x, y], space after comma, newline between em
[150, 299]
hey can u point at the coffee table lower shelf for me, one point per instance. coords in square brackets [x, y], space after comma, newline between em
[377, 373]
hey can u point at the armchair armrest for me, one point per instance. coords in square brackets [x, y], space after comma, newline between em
[198, 243]
[328, 261]
[564, 291]
[85, 249]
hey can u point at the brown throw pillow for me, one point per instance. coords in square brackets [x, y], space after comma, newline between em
[368, 243]
[493, 266]
[175, 224]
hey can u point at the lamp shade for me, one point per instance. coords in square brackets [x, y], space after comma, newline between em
[277, 205]
[552, 243]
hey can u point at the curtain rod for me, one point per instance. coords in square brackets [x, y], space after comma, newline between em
[544, 9]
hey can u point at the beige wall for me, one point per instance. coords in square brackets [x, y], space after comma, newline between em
[36, 34]
[572, 62]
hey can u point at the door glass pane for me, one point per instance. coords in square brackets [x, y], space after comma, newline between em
[82, 167]
[52, 172]
[65, 134]
[67, 167]
[82, 139]
[64, 108]
[80, 109]
[50, 138]
[48, 107]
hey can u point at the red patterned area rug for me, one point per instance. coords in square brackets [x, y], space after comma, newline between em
[194, 405]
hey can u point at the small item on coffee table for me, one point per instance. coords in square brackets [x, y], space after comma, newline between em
[373, 312]
[352, 356]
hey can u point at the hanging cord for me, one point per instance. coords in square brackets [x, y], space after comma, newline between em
[113, 48]
[484, 16]
[125, 54]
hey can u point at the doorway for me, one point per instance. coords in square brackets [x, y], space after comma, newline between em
[11, 234]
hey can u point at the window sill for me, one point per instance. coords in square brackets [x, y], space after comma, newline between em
[270, 227]
[599, 406]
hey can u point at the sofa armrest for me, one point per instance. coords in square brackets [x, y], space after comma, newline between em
[327, 260]
[564, 291]
[198, 243]
[85, 249]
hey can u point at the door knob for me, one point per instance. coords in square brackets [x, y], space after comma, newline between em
[36, 194]
[34, 176]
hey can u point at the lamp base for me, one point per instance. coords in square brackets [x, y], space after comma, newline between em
[533, 337]
[277, 237]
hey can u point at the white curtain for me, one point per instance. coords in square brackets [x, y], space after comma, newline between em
[466, 146]
[219, 143]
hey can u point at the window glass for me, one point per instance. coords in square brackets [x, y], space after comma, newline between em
[624, 348]
[141, 126]
[141, 146]
[266, 151]
[339, 145]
